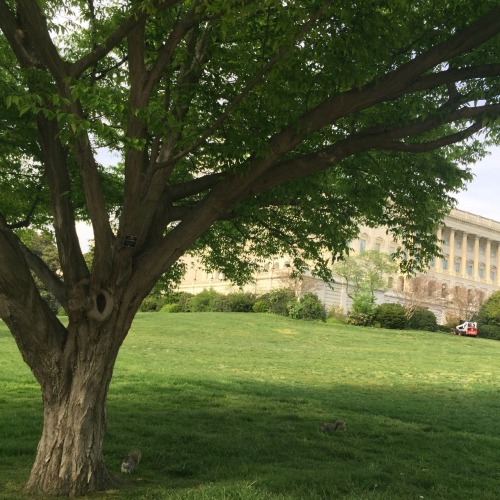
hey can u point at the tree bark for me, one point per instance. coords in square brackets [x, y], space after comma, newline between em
[69, 459]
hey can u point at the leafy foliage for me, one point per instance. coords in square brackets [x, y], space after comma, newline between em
[308, 307]
[391, 316]
[363, 274]
[488, 317]
[423, 319]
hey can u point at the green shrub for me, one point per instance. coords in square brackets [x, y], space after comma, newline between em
[220, 303]
[278, 300]
[171, 308]
[260, 306]
[363, 303]
[181, 298]
[152, 303]
[423, 319]
[489, 331]
[241, 302]
[488, 318]
[204, 301]
[392, 316]
[359, 319]
[308, 307]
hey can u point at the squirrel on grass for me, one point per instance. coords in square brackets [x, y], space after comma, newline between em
[326, 427]
[131, 461]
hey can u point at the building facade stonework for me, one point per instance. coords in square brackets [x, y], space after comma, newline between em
[470, 264]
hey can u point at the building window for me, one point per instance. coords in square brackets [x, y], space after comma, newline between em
[401, 283]
[457, 266]
[493, 275]
[390, 282]
[469, 269]
[444, 264]
[362, 246]
[481, 272]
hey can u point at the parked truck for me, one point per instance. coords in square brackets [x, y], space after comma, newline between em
[468, 328]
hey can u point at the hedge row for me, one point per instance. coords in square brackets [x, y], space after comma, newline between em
[281, 301]
[393, 316]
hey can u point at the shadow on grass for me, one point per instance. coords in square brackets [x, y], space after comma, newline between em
[399, 441]
[262, 440]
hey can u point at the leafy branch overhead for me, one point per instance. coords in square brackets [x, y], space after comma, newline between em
[217, 109]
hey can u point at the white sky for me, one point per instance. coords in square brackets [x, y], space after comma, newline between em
[482, 196]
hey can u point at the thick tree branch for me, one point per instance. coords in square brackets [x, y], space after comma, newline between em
[38, 32]
[46, 276]
[27, 220]
[176, 192]
[16, 37]
[54, 156]
[94, 196]
[382, 138]
[447, 140]
[166, 53]
[451, 76]
[39, 334]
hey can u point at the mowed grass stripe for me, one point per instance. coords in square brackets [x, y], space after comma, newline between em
[229, 405]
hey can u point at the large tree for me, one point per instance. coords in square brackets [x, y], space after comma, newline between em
[244, 129]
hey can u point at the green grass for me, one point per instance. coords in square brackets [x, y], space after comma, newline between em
[228, 406]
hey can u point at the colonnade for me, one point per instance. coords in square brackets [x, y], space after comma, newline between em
[468, 264]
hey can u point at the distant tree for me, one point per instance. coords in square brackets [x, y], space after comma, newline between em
[467, 301]
[418, 292]
[363, 274]
[300, 283]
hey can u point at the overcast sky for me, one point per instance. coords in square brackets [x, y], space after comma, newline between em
[482, 196]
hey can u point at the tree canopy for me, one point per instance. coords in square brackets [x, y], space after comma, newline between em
[243, 130]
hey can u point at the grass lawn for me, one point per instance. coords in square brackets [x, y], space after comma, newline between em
[228, 406]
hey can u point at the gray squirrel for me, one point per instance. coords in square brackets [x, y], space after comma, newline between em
[326, 427]
[131, 461]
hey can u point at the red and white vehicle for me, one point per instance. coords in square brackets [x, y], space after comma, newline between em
[468, 328]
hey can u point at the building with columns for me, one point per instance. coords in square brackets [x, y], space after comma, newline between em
[470, 264]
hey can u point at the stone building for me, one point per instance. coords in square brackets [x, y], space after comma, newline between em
[458, 282]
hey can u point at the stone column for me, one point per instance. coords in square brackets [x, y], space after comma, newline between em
[487, 269]
[452, 252]
[476, 258]
[464, 254]
[437, 261]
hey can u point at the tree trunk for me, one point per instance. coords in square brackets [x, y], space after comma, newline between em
[69, 459]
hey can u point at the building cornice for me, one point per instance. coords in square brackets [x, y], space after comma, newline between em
[474, 220]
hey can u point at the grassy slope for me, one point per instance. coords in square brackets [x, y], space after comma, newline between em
[228, 406]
